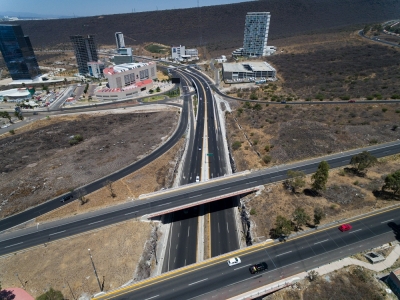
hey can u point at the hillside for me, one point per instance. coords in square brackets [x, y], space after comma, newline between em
[221, 26]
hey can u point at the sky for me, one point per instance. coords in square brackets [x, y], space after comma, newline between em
[99, 7]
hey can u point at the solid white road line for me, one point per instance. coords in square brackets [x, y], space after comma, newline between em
[355, 230]
[241, 267]
[164, 204]
[96, 222]
[131, 213]
[321, 241]
[14, 245]
[283, 253]
[57, 232]
[224, 189]
[197, 281]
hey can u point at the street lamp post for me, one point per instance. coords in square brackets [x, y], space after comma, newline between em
[95, 272]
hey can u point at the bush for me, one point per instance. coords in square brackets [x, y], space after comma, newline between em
[267, 148]
[236, 145]
[12, 131]
[345, 97]
[252, 212]
[253, 96]
[151, 91]
[255, 142]
[384, 109]
[266, 159]
[257, 107]
[73, 142]
[78, 137]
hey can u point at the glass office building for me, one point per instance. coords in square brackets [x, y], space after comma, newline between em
[256, 33]
[18, 53]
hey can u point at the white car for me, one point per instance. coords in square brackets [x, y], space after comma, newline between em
[197, 179]
[234, 261]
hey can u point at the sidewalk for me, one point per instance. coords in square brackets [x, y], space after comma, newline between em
[323, 270]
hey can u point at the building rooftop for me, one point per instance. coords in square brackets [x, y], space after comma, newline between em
[254, 66]
[125, 67]
[126, 88]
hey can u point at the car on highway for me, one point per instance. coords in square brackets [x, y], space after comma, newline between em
[234, 261]
[345, 227]
[262, 266]
[66, 197]
[352, 101]
[199, 148]
[197, 179]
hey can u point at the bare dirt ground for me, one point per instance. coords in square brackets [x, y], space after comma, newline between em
[350, 283]
[346, 195]
[66, 266]
[39, 162]
[278, 134]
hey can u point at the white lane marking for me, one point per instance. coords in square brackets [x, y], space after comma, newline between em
[251, 182]
[195, 196]
[283, 253]
[355, 230]
[96, 222]
[131, 213]
[321, 241]
[387, 221]
[197, 281]
[151, 297]
[241, 267]
[163, 204]
[224, 189]
[14, 245]
[57, 232]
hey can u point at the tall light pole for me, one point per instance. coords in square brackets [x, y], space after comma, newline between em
[95, 272]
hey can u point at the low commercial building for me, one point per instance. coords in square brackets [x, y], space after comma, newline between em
[95, 69]
[126, 80]
[180, 53]
[248, 70]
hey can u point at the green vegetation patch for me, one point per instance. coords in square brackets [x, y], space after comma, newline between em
[154, 98]
[155, 48]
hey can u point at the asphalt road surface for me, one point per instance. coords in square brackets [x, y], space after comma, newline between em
[216, 279]
[22, 239]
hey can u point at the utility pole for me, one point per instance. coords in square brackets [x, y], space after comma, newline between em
[95, 272]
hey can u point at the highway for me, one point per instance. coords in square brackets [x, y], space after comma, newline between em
[182, 240]
[223, 230]
[187, 196]
[215, 279]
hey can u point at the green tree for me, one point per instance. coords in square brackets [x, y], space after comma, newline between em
[363, 160]
[283, 226]
[236, 145]
[300, 217]
[257, 106]
[158, 89]
[318, 215]
[6, 115]
[51, 295]
[320, 178]
[296, 180]
[392, 182]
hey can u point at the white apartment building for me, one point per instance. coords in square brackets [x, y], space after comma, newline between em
[256, 34]
[180, 52]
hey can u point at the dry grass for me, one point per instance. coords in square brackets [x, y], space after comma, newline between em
[152, 177]
[116, 252]
[342, 199]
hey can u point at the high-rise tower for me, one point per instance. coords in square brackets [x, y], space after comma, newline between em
[85, 51]
[256, 33]
[119, 38]
[18, 53]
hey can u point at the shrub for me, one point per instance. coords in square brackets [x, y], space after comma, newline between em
[266, 159]
[320, 97]
[255, 142]
[370, 97]
[257, 106]
[267, 148]
[395, 96]
[78, 137]
[253, 96]
[384, 109]
[236, 145]
[151, 91]
[345, 97]
[12, 131]
[73, 142]
[252, 212]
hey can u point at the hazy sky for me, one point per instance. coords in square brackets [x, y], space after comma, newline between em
[99, 7]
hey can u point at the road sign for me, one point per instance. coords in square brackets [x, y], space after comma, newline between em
[210, 154]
